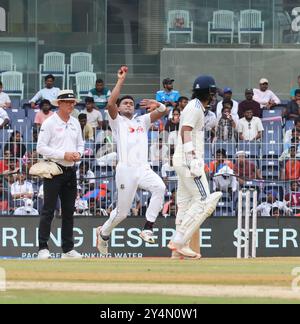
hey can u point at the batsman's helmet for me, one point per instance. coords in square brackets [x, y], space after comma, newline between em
[205, 82]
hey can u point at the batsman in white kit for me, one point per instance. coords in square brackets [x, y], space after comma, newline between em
[195, 203]
[133, 170]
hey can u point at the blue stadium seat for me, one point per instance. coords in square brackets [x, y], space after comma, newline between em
[253, 149]
[229, 147]
[224, 211]
[275, 112]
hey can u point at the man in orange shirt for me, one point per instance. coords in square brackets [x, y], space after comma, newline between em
[4, 163]
[220, 162]
[292, 166]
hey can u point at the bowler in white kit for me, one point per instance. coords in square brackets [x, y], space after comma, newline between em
[195, 203]
[133, 170]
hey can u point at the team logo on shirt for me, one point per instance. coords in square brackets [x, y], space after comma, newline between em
[138, 130]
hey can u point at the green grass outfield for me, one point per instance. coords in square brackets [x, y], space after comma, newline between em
[269, 274]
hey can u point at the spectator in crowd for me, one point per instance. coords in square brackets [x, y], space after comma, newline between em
[293, 197]
[291, 170]
[11, 174]
[29, 159]
[286, 155]
[293, 90]
[265, 97]
[227, 123]
[86, 178]
[44, 113]
[4, 199]
[49, 93]
[250, 128]
[21, 189]
[4, 164]
[225, 181]
[94, 116]
[172, 127]
[27, 209]
[168, 96]
[87, 129]
[4, 119]
[173, 124]
[245, 169]
[156, 128]
[5, 101]
[159, 153]
[168, 172]
[292, 111]
[182, 103]
[289, 134]
[220, 162]
[265, 208]
[210, 122]
[276, 212]
[170, 207]
[228, 97]
[100, 94]
[32, 142]
[249, 103]
[15, 146]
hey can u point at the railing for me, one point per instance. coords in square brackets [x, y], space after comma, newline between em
[265, 165]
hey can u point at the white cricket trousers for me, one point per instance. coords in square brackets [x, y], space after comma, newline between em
[191, 194]
[128, 180]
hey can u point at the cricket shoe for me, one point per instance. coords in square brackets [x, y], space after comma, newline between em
[176, 255]
[148, 236]
[44, 254]
[173, 247]
[72, 255]
[102, 245]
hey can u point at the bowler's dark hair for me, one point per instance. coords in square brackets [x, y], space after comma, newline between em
[124, 98]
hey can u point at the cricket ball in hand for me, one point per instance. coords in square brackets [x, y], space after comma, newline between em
[124, 69]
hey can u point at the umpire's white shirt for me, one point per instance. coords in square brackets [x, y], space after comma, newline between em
[58, 137]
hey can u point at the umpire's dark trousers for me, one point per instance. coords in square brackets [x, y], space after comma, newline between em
[65, 187]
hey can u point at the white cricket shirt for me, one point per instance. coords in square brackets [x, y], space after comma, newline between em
[192, 116]
[131, 136]
[57, 137]
[4, 99]
[48, 94]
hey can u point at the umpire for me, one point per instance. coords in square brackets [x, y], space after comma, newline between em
[60, 140]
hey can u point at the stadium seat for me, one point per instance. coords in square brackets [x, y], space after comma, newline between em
[251, 23]
[6, 62]
[224, 211]
[222, 24]
[85, 81]
[79, 62]
[229, 147]
[252, 149]
[179, 22]
[13, 83]
[54, 63]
